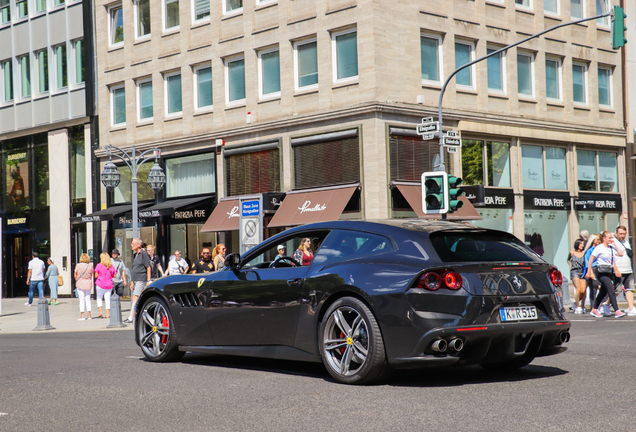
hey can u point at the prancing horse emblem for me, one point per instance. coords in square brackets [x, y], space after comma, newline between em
[517, 282]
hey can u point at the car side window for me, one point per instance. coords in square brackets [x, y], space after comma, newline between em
[275, 252]
[343, 245]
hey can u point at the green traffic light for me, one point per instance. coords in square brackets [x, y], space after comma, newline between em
[454, 192]
[618, 28]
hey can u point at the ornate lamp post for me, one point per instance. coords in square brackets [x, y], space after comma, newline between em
[110, 176]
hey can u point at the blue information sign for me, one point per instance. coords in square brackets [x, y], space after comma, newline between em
[250, 208]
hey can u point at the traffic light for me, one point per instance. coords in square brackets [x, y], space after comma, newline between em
[454, 192]
[618, 28]
[434, 192]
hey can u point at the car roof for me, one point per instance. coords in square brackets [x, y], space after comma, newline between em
[388, 225]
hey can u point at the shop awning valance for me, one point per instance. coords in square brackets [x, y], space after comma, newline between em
[413, 195]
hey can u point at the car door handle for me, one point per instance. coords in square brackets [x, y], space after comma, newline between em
[294, 282]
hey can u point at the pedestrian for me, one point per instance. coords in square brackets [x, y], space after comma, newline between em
[624, 264]
[140, 275]
[120, 280]
[304, 254]
[35, 277]
[605, 254]
[156, 271]
[577, 268]
[218, 256]
[84, 285]
[104, 274]
[584, 235]
[177, 265]
[203, 264]
[592, 284]
[52, 276]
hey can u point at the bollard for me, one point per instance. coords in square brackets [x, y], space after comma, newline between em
[44, 322]
[115, 312]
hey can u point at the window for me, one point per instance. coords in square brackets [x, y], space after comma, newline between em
[553, 78]
[40, 5]
[496, 71]
[171, 15]
[266, 260]
[201, 10]
[525, 74]
[410, 156]
[77, 163]
[475, 246]
[25, 76]
[252, 169]
[144, 99]
[5, 11]
[601, 8]
[579, 82]
[431, 57]
[7, 75]
[78, 48]
[544, 167]
[345, 55]
[464, 54]
[343, 245]
[61, 77]
[232, 6]
[43, 71]
[58, 2]
[118, 104]
[551, 6]
[269, 73]
[576, 9]
[587, 169]
[203, 87]
[190, 175]
[486, 163]
[235, 78]
[524, 3]
[306, 64]
[23, 8]
[173, 93]
[142, 18]
[123, 192]
[604, 86]
[116, 27]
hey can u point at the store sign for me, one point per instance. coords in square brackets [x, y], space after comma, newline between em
[309, 207]
[234, 213]
[16, 221]
[608, 203]
[149, 214]
[190, 214]
[272, 201]
[547, 201]
[489, 197]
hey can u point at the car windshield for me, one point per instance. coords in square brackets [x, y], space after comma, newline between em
[480, 246]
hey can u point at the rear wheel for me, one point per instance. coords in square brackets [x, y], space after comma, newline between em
[351, 344]
[509, 365]
[157, 336]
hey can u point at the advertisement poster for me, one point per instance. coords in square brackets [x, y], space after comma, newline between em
[17, 181]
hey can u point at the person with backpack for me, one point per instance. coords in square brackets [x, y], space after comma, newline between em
[120, 280]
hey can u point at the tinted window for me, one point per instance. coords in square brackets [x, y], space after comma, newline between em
[266, 257]
[483, 246]
[344, 245]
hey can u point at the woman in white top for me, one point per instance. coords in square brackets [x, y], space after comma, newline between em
[605, 253]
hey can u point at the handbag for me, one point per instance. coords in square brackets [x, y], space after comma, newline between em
[60, 280]
[605, 269]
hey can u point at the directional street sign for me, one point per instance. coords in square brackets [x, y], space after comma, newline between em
[451, 149]
[452, 142]
[427, 120]
[428, 136]
[427, 128]
[451, 133]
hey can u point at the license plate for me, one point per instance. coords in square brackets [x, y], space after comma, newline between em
[518, 313]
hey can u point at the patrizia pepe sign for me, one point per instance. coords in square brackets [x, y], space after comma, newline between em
[598, 202]
[551, 201]
[307, 207]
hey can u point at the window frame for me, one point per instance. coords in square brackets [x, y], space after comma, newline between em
[473, 76]
[236, 11]
[557, 13]
[261, 80]
[111, 9]
[586, 94]
[193, 6]
[77, 66]
[138, 83]
[164, 17]
[604, 22]
[20, 17]
[484, 161]
[166, 92]
[63, 88]
[502, 56]
[523, 6]
[39, 11]
[195, 73]
[136, 22]
[440, 57]
[597, 181]
[9, 16]
[297, 86]
[112, 89]
[226, 66]
[559, 65]
[3, 67]
[543, 163]
[610, 84]
[20, 74]
[38, 69]
[582, 10]
[533, 90]
[334, 56]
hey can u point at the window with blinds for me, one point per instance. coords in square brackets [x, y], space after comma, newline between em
[327, 163]
[410, 157]
[251, 173]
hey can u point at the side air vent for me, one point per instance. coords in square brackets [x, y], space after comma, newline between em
[187, 300]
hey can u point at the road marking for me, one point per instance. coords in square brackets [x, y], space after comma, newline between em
[4, 414]
[132, 357]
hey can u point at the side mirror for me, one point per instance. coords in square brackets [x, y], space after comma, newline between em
[233, 261]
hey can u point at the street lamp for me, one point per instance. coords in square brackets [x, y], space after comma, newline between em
[110, 176]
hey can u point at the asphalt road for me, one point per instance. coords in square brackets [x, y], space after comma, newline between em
[97, 381]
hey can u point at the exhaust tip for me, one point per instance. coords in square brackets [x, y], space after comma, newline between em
[439, 345]
[456, 344]
[564, 336]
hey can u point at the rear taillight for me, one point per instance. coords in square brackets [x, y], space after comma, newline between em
[555, 277]
[433, 281]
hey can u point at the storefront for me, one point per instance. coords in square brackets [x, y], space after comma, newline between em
[494, 205]
[410, 194]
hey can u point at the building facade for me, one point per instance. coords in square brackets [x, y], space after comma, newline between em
[45, 136]
[316, 103]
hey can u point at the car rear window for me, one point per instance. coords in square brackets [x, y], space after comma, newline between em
[480, 246]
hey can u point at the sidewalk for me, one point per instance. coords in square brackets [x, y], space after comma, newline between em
[18, 318]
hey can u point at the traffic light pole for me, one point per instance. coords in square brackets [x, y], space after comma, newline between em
[442, 166]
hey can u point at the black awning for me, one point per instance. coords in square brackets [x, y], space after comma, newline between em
[106, 214]
[168, 208]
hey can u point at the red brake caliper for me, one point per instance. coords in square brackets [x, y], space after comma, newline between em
[164, 323]
[342, 349]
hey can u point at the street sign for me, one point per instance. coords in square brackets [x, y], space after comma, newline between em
[451, 149]
[452, 142]
[451, 133]
[428, 136]
[427, 128]
[427, 120]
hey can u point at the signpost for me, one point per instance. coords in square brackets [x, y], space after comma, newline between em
[428, 128]
[251, 222]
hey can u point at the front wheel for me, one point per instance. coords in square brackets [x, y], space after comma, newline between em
[351, 344]
[157, 335]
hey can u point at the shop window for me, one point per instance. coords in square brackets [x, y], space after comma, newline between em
[123, 192]
[486, 162]
[190, 175]
[525, 74]
[43, 71]
[201, 10]
[116, 26]
[326, 163]
[306, 64]
[553, 78]
[604, 86]
[233, 6]
[173, 93]
[235, 80]
[546, 232]
[142, 18]
[494, 218]
[269, 73]
[431, 58]
[251, 170]
[464, 53]
[171, 15]
[544, 167]
[203, 88]
[345, 55]
[576, 9]
[5, 11]
[597, 171]
[496, 71]
[78, 164]
[7, 78]
[41, 174]
[145, 99]
[17, 181]
[579, 82]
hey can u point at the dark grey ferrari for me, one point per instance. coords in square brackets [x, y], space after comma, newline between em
[375, 295]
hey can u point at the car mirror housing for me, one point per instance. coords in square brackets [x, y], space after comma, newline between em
[233, 261]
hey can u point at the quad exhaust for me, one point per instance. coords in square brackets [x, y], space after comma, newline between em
[456, 344]
[439, 345]
[442, 345]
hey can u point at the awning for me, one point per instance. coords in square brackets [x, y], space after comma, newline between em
[413, 194]
[225, 217]
[168, 208]
[106, 214]
[307, 206]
